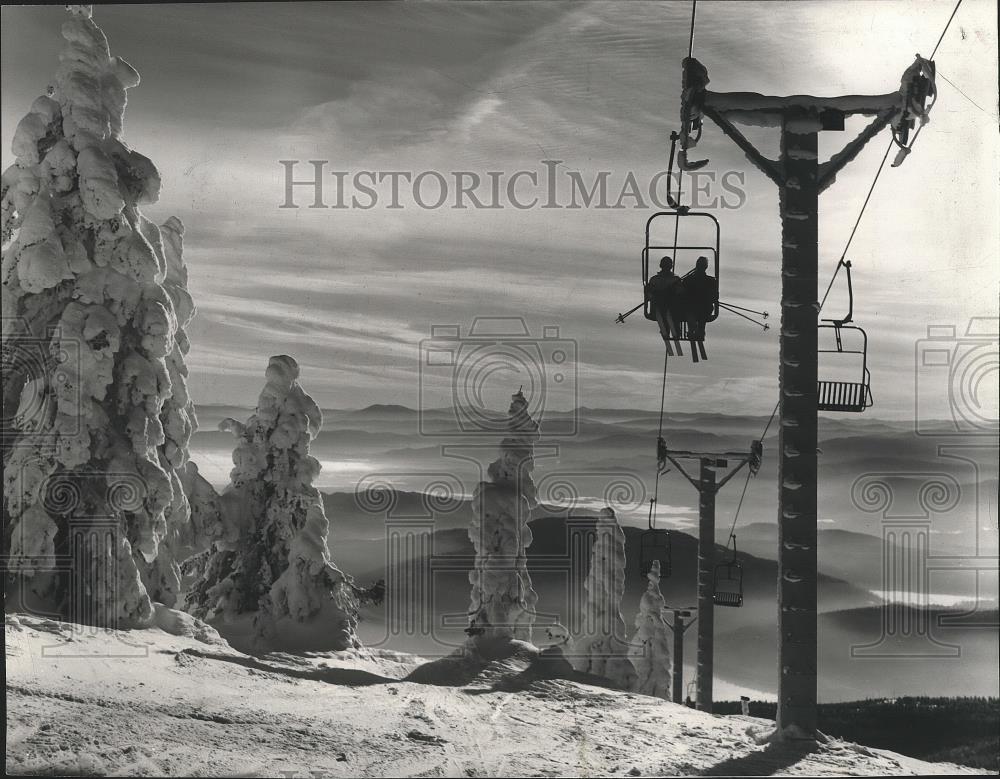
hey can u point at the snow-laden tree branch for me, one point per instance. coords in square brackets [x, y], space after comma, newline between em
[94, 310]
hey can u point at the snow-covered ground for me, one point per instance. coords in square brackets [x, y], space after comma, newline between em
[176, 700]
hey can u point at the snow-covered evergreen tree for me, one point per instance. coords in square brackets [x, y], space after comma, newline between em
[269, 559]
[503, 601]
[94, 306]
[650, 647]
[602, 647]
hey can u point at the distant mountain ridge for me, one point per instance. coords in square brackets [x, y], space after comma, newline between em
[850, 615]
[629, 414]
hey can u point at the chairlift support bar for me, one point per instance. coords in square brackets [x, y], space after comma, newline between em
[846, 265]
[845, 396]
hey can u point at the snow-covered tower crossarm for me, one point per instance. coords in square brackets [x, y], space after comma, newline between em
[903, 109]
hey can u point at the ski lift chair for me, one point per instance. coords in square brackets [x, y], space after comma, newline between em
[728, 589]
[657, 247]
[849, 396]
[654, 545]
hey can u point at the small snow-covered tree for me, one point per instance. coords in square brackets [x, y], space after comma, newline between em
[602, 647]
[96, 413]
[650, 647]
[503, 601]
[269, 560]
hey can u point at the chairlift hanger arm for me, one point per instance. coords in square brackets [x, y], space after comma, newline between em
[850, 294]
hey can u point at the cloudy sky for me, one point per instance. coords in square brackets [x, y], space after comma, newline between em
[230, 90]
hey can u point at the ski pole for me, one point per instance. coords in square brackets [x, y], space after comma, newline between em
[622, 317]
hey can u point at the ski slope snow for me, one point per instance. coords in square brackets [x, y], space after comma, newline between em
[177, 700]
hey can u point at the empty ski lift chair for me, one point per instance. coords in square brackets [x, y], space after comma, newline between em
[851, 396]
[654, 544]
[729, 582]
[684, 253]
[853, 393]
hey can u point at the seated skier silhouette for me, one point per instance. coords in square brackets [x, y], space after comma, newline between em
[701, 292]
[664, 291]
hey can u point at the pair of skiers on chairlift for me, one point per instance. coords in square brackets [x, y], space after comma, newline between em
[687, 301]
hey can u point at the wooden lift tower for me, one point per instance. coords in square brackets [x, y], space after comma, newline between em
[800, 177]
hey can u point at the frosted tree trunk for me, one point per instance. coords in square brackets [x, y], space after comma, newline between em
[269, 559]
[503, 601]
[96, 413]
[649, 650]
[602, 647]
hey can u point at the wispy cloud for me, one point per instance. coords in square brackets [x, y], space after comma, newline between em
[502, 86]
